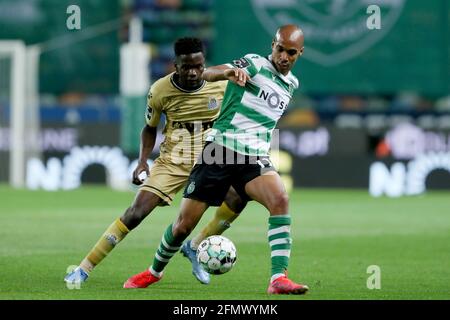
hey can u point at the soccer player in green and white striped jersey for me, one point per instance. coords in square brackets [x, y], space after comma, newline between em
[237, 154]
[250, 113]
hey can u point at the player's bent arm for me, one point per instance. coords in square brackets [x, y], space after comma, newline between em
[148, 139]
[224, 72]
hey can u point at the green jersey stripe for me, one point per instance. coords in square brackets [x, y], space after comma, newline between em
[254, 110]
[234, 142]
[252, 88]
[257, 117]
[269, 75]
[251, 69]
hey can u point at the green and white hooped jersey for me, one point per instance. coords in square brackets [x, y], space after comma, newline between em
[249, 114]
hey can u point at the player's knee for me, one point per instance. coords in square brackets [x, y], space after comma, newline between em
[237, 206]
[280, 203]
[182, 229]
[234, 201]
[134, 215]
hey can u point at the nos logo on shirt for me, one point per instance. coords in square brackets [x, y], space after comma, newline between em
[273, 100]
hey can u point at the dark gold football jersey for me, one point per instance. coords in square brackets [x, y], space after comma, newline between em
[189, 115]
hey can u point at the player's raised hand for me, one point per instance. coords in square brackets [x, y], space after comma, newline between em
[137, 173]
[236, 75]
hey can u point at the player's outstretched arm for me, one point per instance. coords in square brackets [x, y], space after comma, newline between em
[224, 72]
[148, 138]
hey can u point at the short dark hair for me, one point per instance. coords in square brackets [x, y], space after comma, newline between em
[188, 45]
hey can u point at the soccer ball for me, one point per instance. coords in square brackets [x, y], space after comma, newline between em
[216, 254]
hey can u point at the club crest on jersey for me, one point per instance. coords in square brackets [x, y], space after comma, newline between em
[212, 103]
[190, 188]
[336, 29]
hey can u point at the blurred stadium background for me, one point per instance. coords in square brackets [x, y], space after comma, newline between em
[372, 113]
[367, 96]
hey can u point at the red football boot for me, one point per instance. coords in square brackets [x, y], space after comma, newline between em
[283, 285]
[141, 280]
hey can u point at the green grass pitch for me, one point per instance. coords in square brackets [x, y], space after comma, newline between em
[337, 235]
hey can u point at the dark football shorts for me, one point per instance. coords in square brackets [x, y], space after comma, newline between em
[218, 168]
